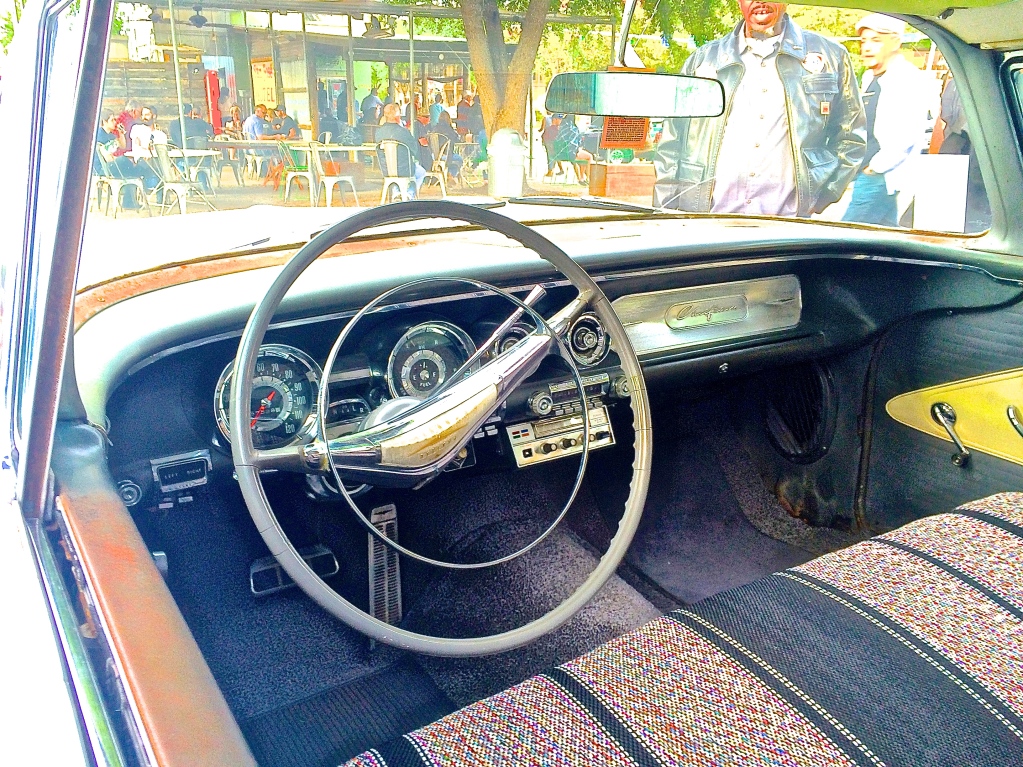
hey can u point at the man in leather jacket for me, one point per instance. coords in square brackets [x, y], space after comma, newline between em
[793, 132]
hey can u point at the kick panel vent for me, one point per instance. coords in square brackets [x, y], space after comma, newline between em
[801, 409]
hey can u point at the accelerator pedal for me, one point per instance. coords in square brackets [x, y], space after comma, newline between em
[384, 571]
[266, 576]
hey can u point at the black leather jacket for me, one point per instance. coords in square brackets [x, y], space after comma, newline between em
[828, 143]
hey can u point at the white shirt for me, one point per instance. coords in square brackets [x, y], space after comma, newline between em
[755, 172]
[142, 137]
[904, 106]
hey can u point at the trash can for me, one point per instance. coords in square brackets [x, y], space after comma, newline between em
[506, 163]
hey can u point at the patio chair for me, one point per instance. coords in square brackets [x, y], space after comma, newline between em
[327, 181]
[233, 159]
[389, 154]
[255, 163]
[325, 137]
[114, 186]
[439, 148]
[173, 181]
[295, 169]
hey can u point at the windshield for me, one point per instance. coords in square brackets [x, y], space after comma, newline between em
[228, 128]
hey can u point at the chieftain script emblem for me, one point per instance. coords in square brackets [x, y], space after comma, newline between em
[709, 311]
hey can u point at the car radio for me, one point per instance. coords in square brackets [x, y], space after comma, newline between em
[551, 438]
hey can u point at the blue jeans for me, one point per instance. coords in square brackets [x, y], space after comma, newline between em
[871, 203]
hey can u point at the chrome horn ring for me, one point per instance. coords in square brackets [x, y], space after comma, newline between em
[249, 461]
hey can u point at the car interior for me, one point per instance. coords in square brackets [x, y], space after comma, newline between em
[629, 464]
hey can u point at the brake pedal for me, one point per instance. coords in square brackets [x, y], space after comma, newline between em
[384, 570]
[266, 576]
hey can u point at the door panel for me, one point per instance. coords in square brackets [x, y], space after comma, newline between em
[910, 471]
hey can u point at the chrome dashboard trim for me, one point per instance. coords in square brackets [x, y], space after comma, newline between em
[622, 275]
[665, 321]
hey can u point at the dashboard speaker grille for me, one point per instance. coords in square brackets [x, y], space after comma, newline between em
[801, 410]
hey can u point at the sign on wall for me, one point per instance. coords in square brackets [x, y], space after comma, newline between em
[264, 82]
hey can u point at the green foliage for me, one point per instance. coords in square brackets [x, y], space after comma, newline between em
[572, 49]
[8, 22]
[837, 23]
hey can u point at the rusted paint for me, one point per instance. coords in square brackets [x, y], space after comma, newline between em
[92, 300]
[179, 703]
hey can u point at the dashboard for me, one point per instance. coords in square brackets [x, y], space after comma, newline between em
[156, 368]
[406, 351]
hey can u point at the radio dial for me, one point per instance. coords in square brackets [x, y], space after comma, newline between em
[541, 403]
[568, 442]
[548, 447]
[620, 387]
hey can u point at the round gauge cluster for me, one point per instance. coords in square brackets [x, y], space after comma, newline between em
[427, 356]
[285, 386]
[512, 336]
[588, 340]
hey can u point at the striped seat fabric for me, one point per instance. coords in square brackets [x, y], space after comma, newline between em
[903, 650]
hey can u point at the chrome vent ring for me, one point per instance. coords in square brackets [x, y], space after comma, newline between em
[587, 340]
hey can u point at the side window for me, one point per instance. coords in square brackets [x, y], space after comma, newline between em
[57, 86]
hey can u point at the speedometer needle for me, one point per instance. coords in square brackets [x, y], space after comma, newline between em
[262, 408]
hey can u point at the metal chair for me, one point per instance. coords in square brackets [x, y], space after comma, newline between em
[294, 170]
[440, 146]
[173, 181]
[388, 154]
[232, 158]
[328, 182]
[114, 185]
[325, 137]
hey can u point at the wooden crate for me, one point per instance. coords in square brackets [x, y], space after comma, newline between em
[634, 179]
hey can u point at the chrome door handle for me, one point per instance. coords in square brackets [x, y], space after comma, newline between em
[1015, 418]
[945, 416]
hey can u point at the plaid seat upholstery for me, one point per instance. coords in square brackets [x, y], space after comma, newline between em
[903, 650]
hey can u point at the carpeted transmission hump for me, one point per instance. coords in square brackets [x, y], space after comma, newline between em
[694, 540]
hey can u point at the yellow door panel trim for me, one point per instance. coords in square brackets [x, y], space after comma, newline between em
[981, 405]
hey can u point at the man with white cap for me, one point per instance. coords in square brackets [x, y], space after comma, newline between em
[897, 98]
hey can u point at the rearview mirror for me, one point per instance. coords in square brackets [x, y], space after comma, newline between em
[635, 94]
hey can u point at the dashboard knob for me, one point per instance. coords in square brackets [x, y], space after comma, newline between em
[567, 442]
[620, 387]
[548, 447]
[541, 403]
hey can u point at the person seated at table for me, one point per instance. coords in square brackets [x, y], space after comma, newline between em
[445, 129]
[197, 132]
[371, 107]
[256, 127]
[234, 124]
[419, 128]
[108, 164]
[144, 134]
[285, 126]
[568, 148]
[393, 130]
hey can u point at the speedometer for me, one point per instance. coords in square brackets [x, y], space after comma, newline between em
[427, 356]
[285, 386]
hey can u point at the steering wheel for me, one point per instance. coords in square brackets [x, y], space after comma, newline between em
[404, 441]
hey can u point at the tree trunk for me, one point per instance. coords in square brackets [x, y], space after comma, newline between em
[503, 85]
